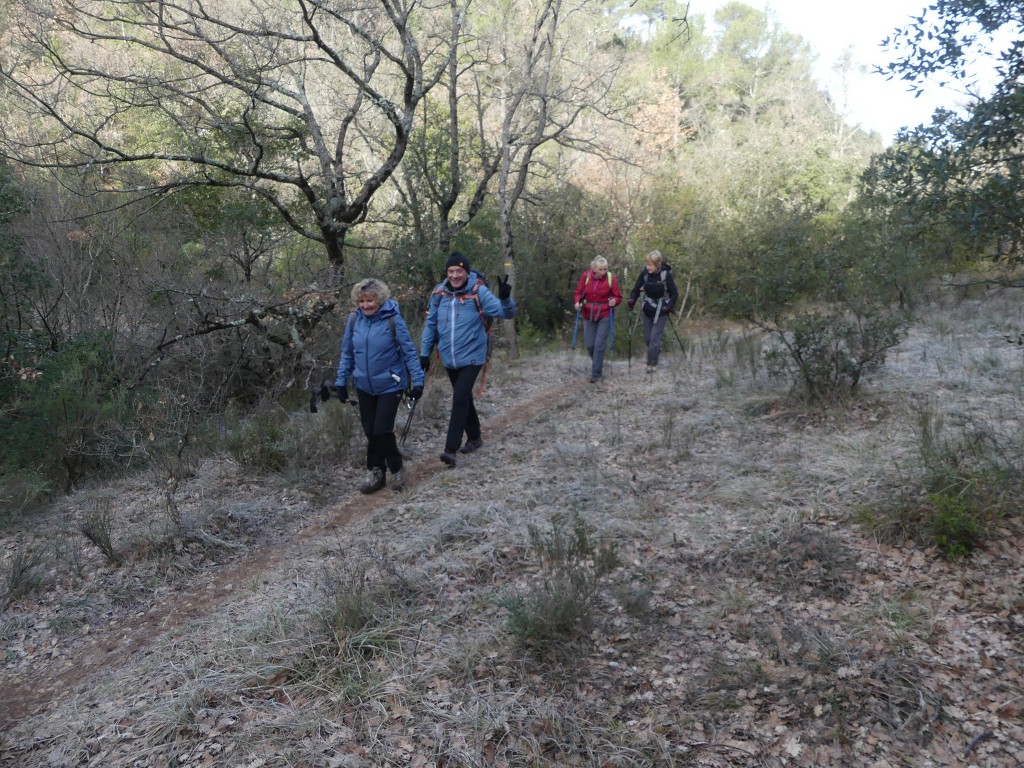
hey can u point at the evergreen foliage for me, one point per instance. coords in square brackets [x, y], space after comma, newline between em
[704, 138]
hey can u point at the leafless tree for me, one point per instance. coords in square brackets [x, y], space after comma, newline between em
[551, 74]
[273, 96]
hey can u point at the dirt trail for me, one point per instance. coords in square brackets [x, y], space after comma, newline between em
[210, 590]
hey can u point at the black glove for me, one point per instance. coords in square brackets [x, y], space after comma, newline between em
[425, 363]
[342, 393]
[414, 393]
[630, 304]
[504, 289]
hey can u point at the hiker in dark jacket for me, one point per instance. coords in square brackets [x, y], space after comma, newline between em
[457, 325]
[378, 353]
[660, 295]
[597, 293]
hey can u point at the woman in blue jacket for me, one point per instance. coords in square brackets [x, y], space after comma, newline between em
[378, 353]
[457, 324]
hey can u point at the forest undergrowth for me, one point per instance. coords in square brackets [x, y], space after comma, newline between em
[678, 568]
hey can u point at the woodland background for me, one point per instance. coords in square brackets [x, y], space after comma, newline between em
[188, 190]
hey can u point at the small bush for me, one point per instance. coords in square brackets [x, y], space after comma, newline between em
[21, 571]
[956, 527]
[259, 443]
[277, 441]
[73, 417]
[366, 593]
[561, 608]
[969, 480]
[21, 491]
[98, 527]
[829, 352]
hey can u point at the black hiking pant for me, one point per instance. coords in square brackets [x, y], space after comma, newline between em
[464, 417]
[377, 414]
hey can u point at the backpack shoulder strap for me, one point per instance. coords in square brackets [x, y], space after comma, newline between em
[350, 323]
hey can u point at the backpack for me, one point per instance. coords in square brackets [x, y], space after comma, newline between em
[394, 335]
[590, 274]
[664, 272]
[487, 320]
[475, 295]
[391, 325]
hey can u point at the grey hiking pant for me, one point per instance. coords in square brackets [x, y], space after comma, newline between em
[653, 333]
[595, 336]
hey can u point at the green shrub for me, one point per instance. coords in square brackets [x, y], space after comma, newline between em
[21, 570]
[828, 352]
[260, 444]
[279, 441]
[71, 416]
[22, 490]
[969, 479]
[561, 608]
[955, 525]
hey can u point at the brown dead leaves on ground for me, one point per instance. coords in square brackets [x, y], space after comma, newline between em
[748, 621]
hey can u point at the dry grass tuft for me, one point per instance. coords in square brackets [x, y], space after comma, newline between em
[745, 620]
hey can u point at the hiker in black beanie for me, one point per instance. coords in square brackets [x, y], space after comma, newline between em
[458, 324]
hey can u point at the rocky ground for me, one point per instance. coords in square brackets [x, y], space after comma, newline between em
[655, 570]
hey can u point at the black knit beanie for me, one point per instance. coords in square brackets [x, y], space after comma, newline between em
[457, 260]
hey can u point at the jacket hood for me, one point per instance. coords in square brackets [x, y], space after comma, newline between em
[387, 309]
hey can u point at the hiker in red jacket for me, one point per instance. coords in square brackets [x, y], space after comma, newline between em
[596, 295]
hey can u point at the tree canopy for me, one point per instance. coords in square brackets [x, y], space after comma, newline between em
[963, 171]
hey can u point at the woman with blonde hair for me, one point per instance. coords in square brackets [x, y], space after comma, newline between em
[597, 293]
[378, 354]
[660, 295]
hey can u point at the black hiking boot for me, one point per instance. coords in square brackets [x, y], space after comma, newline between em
[472, 445]
[374, 481]
[448, 457]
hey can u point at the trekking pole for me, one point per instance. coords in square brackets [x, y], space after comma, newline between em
[629, 344]
[611, 328]
[682, 304]
[576, 326]
[322, 393]
[411, 405]
[682, 347]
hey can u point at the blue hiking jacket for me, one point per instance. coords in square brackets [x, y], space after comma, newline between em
[454, 323]
[380, 362]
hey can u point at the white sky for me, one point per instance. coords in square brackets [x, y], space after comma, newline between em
[830, 26]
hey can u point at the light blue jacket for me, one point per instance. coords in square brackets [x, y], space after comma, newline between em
[380, 362]
[454, 323]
